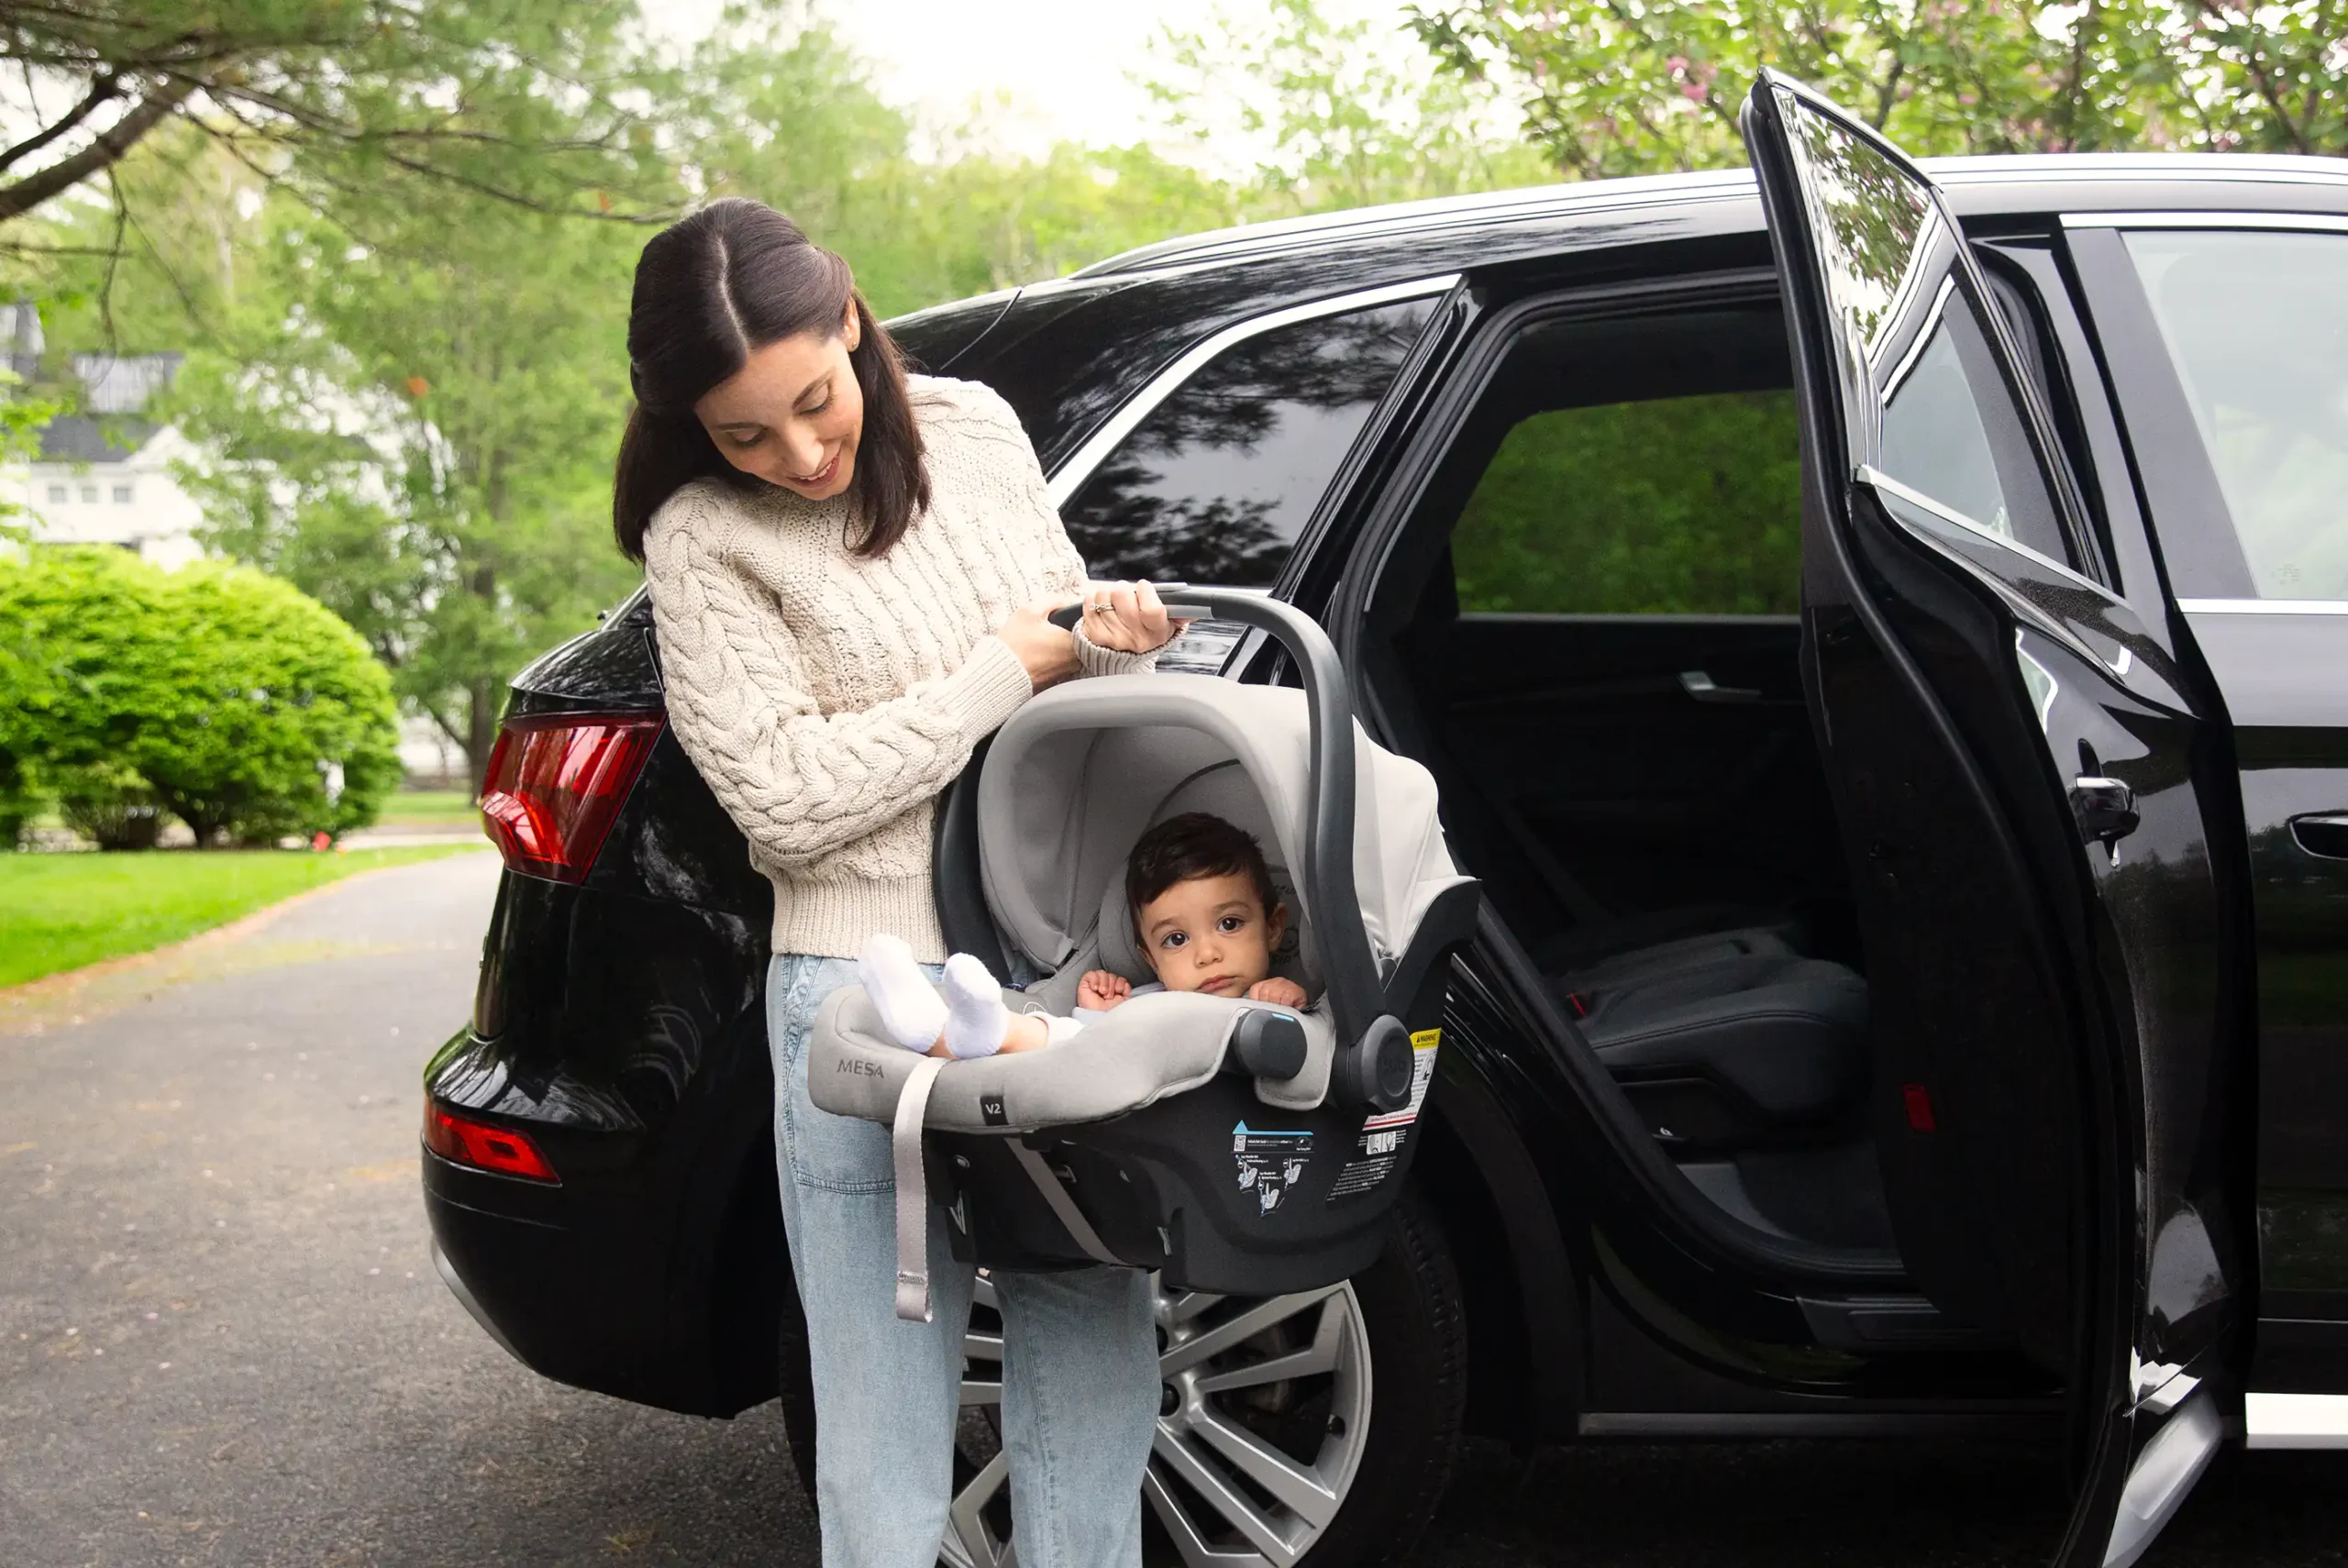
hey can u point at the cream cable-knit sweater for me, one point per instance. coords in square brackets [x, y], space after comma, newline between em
[826, 699]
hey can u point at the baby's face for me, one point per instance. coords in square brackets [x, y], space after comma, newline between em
[1210, 934]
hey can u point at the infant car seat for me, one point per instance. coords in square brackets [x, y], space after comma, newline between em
[1234, 1146]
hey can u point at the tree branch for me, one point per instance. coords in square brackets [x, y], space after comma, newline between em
[104, 153]
[101, 89]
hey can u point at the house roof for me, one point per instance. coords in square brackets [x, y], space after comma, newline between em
[77, 438]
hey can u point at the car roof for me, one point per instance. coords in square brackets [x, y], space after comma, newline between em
[1070, 352]
[2017, 183]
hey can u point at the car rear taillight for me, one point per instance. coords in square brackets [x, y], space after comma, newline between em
[555, 783]
[462, 1141]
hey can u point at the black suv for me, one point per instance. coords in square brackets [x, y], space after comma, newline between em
[1882, 636]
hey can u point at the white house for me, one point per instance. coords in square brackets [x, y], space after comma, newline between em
[104, 475]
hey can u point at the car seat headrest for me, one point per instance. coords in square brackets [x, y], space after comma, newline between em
[1224, 790]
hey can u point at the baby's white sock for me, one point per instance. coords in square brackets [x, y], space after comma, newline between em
[909, 1008]
[976, 1020]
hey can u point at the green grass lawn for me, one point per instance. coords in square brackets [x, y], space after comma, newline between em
[61, 911]
[433, 808]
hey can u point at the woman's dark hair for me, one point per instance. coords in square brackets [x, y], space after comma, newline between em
[1195, 844]
[712, 288]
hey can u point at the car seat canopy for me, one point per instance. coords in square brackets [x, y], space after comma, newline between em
[1075, 778]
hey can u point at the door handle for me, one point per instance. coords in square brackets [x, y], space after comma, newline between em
[2325, 835]
[2106, 808]
[1698, 685]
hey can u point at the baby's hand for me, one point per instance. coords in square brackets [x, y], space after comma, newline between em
[1278, 992]
[1102, 990]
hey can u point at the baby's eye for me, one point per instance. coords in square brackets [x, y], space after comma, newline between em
[1174, 939]
[1230, 923]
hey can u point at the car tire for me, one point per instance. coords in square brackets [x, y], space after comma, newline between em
[1406, 1308]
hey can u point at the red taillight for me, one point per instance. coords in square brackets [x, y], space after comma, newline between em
[465, 1142]
[555, 781]
[1919, 1101]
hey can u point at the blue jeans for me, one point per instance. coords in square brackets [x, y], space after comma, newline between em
[1081, 1386]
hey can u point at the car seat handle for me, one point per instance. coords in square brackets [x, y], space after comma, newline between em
[1327, 887]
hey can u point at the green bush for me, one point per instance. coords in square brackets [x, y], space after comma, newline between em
[229, 699]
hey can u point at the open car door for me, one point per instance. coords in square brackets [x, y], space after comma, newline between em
[2014, 764]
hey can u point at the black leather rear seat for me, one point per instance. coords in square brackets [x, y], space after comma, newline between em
[1728, 1038]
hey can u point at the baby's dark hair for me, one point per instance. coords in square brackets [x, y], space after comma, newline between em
[1195, 844]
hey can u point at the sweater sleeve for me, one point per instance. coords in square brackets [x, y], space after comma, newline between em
[799, 782]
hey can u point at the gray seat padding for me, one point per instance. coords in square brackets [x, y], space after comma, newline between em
[1785, 1037]
[1147, 1048]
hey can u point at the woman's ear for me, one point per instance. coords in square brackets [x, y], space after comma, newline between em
[852, 328]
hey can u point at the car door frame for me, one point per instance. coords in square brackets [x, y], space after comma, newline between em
[2144, 1428]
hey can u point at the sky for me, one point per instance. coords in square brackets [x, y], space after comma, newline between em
[1064, 65]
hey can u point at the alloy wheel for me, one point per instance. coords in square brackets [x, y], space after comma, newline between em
[1264, 1414]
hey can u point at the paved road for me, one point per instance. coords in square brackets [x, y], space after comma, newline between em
[222, 1342]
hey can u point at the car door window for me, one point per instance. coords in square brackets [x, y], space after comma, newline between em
[1678, 505]
[2257, 325]
[1951, 432]
[1931, 409]
[1216, 483]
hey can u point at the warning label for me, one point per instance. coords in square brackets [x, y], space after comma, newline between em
[1423, 1047]
[1270, 1163]
[1380, 1151]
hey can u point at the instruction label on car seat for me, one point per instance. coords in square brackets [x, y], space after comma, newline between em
[1379, 1147]
[1270, 1163]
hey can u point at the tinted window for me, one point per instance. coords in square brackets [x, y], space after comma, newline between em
[1951, 431]
[1216, 483]
[1682, 505]
[2257, 323]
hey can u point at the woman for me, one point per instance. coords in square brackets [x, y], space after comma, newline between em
[850, 570]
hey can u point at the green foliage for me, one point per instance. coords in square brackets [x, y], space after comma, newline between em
[1612, 90]
[1347, 123]
[526, 101]
[226, 697]
[1688, 505]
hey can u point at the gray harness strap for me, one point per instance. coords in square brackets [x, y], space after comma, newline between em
[912, 1191]
[1079, 1227]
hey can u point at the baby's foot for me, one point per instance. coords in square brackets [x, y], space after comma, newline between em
[976, 1020]
[912, 1012]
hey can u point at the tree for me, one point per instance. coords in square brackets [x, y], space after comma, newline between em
[222, 695]
[1611, 89]
[523, 100]
[1343, 123]
[421, 435]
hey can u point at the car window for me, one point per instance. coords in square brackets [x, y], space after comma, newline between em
[1952, 432]
[1680, 506]
[2257, 324]
[1215, 484]
[1910, 339]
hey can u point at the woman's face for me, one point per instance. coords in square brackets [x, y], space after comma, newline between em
[792, 414]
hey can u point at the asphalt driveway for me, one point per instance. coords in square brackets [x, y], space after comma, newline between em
[222, 1342]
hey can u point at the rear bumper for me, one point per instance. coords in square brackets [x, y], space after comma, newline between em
[565, 1287]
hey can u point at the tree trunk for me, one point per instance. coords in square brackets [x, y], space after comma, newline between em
[480, 731]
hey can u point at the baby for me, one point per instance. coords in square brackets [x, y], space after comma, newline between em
[1203, 903]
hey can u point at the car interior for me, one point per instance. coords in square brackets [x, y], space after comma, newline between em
[1589, 628]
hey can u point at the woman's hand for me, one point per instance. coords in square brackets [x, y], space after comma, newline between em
[1127, 617]
[1102, 990]
[1047, 652]
[1278, 992]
